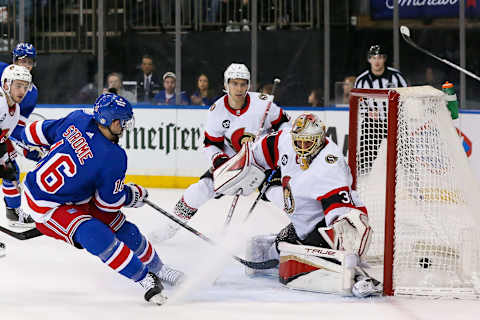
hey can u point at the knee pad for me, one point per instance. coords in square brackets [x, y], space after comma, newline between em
[131, 236]
[94, 236]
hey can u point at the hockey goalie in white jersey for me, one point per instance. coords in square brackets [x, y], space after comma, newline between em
[321, 249]
[232, 120]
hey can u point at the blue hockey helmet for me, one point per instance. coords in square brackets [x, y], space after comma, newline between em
[109, 107]
[24, 50]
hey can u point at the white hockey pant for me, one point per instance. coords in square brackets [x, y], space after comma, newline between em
[199, 193]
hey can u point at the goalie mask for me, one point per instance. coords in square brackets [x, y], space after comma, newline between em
[308, 138]
[12, 73]
[236, 71]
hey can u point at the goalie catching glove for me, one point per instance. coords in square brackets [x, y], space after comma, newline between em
[238, 173]
[352, 232]
[135, 195]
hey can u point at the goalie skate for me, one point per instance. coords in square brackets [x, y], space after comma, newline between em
[366, 287]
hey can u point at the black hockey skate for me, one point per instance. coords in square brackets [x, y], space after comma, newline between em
[153, 289]
[3, 249]
[18, 218]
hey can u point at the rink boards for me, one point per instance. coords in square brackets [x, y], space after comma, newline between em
[165, 147]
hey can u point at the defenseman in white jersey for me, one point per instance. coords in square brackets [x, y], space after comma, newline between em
[16, 81]
[314, 188]
[232, 120]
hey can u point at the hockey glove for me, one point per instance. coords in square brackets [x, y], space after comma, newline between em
[135, 195]
[9, 171]
[219, 159]
[273, 178]
[352, 232]
[34, 155]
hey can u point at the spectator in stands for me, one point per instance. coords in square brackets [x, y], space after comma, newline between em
[168, 96]
[315, 99]
[203, 96]
[88, 93]
[115, 81]
[348, 84]
[148, 83]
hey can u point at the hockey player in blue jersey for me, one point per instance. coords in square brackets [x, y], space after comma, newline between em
[24, 54]
[76, 191]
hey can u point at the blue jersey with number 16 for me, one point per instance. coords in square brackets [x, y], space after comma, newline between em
[82, 164]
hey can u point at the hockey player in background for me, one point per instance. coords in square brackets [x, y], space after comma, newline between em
[75, 193]
[313, 185]
[16, 82]
[24, 54]
[232, 120]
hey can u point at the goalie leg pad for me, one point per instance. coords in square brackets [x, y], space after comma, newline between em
[314, 269]
[261, 248]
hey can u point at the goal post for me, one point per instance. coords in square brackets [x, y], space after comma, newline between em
[413, 176]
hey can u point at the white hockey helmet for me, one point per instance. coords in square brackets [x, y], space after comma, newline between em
[15, 72]
[236, 71]
[308, 137]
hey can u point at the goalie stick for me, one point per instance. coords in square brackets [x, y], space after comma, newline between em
[276, 81]
[25, 235]
[254, 265]
[406, 36]
[260, 194]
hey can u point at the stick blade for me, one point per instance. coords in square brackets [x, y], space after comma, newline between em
[405, 31]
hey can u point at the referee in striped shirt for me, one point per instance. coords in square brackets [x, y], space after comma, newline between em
[378, 76]
[374, 117]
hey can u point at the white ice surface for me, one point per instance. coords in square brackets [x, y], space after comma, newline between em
[44, 278]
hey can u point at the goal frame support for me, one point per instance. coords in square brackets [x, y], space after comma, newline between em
[392, 131]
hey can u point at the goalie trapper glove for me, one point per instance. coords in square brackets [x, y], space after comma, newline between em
[8, 171]
[273, 178]
[135, 195]
[219, 159]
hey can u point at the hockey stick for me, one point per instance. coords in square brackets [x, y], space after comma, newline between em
[25, 235]
[276, 81]
[260, 194]
[254, 265]
[406, 36]
[232, 207]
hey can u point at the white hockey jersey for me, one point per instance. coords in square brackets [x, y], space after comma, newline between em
[9, 117]
[308, 196]
[226, 126]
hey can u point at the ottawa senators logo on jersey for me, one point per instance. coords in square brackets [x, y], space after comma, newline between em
[284, 160]
[330, 158]
[288, 201]
[226, 124]
[263, 96]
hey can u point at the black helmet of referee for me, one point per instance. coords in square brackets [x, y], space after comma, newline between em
[376, 50]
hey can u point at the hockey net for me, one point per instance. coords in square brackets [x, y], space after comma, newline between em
[413, 175]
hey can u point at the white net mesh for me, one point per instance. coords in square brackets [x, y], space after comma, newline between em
[437, 243]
